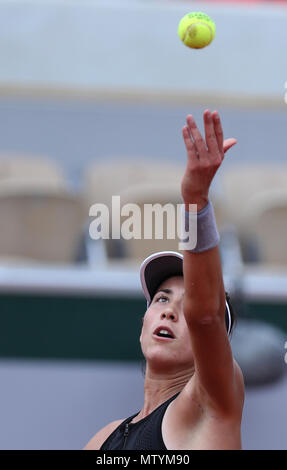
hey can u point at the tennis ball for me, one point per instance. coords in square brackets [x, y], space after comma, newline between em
[196, 30]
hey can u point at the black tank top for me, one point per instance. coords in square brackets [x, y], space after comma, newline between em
[144, 435]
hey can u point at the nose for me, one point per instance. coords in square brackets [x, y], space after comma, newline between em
[169, 315]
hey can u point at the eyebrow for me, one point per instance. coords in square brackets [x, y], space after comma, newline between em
[167, 291]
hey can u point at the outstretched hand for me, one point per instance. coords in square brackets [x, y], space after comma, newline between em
[204, 157]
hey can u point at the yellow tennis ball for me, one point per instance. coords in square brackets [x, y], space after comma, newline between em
[196, 30]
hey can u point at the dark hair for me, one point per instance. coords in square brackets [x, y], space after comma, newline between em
[232, 313]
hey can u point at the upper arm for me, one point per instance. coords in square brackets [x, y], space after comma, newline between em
[98, 439]
[218, 380]
[215, 379]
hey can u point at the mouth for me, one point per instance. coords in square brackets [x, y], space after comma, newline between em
[163, 333]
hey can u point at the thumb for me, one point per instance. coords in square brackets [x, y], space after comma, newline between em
[228, 143]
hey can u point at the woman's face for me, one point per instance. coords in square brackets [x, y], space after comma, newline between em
[165, 338]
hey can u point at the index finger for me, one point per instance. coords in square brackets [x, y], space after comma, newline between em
[197, 137]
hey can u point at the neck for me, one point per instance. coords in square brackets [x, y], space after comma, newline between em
[159, 387]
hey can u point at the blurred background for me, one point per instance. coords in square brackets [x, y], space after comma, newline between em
[93, 97]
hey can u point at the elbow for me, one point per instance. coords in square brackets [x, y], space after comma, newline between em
[204, 319]
[204, 314]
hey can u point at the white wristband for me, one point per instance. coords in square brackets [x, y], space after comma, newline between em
[199, 229]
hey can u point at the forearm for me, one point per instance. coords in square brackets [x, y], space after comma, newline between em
[203, 282]
[204, 288]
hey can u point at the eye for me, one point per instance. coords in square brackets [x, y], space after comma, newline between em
[161, 297]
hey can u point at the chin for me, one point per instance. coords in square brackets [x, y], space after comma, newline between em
[162, 360]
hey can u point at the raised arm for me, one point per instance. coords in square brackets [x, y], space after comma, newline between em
[204, 301]
[204, 290]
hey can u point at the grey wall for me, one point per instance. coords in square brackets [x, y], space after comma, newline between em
[61, 405]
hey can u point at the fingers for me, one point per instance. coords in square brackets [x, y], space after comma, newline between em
[228, 143]
[211, 124]
[200, 148]
[190, 147]
[214, 147]
[197, 138]
[218, 130]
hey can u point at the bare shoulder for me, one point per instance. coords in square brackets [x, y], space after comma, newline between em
[98, 439]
